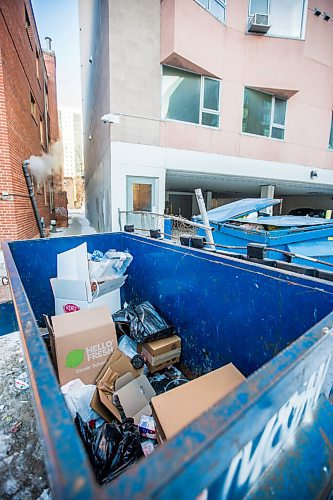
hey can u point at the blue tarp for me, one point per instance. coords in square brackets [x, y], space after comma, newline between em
[238, 208]
[290, 221]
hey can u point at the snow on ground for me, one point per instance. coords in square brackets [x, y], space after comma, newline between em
[22, 469]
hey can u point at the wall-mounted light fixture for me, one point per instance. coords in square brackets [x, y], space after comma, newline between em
[313, 174]
[110, 118]
[90, 59]
[90, 137]
[326, 16]
[317, 12]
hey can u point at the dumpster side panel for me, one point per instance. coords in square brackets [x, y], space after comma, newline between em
[224, 310]
[36, 262]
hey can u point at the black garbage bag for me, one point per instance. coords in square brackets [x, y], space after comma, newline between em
[143, 323]
[112, 448]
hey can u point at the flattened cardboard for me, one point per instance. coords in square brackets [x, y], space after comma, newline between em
[117, 371]
[134, 398]
[175, 409]
[120, 364]
[158, 347]
[83, 341]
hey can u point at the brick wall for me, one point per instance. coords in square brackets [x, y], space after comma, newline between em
[22, 78]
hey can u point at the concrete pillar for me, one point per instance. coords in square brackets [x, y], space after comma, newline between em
[209, 196]
[267, 192]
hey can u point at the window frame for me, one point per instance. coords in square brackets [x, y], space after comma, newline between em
[303, 21]
[33, 107]
[222, 3]
[202, 109]
[272, 124]
[28, 27]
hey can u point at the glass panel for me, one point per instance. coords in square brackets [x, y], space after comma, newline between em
[211, 94]
[286, 18]
[331, 135]
[210, 120]
[257, 112]
[142, 197]
[258, 7]
[204, 3]
[280, 111]
[180, 95]
[217, 9]
[277, 133]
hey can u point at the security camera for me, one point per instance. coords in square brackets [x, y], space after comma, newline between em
[110, 118]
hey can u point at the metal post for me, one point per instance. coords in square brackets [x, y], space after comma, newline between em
[205, 221]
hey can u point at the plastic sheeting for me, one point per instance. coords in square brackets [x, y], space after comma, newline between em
[238, 208]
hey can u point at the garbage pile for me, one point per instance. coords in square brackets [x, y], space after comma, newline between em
[116, 367]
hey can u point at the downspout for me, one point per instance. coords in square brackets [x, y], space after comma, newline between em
[30, 186]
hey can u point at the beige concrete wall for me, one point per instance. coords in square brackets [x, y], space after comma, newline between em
[192, 38]
[95, 78]
[135, 70]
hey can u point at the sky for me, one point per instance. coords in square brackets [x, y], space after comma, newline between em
[59, 20]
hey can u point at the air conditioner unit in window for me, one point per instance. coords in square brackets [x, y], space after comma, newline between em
[259, 23]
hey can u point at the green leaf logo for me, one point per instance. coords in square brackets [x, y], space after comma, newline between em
[74, 358]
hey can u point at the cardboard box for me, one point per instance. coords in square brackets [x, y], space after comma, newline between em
[72, 287]
[161, 353]
[161, 366]
[159, 347]
[83, 342]
[71, 296]
[118, 377]
[175, 409]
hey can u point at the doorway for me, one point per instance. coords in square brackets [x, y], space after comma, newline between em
[142, 196]
[181, 204]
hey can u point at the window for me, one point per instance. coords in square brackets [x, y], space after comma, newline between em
[27, 25]
[330, 144]
[42, 132]
[264, 114]
[215, 7]
[287, 19]
[32, 106]
[188, 97]
[37, 64]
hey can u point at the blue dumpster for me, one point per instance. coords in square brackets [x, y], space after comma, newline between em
[273, 436]
[307, 236]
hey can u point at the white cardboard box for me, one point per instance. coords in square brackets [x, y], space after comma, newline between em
[72, 289]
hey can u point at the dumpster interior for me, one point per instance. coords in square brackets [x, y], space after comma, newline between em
[188, 328]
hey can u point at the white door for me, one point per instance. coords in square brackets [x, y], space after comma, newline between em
[142, 196]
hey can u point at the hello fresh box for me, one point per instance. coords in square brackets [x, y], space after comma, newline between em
[83, 342]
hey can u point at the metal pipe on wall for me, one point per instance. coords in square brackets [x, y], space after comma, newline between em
[30, 186]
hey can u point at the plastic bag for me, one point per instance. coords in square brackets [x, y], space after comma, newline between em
[143, 323]
[112, 448]
[111, 265]
[167, 379]
[78, 396]
[127, 346]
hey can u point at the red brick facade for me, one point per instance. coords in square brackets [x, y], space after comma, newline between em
[26, 94]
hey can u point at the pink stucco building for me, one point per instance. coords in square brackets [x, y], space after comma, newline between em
[235, 97]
